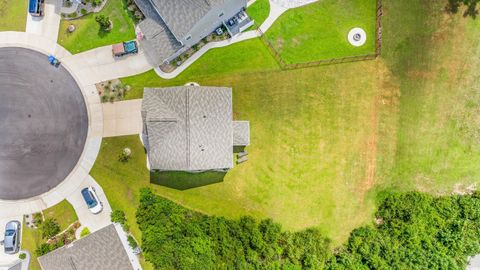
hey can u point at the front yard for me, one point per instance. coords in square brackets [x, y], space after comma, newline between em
[63, 213]
[13, 14]
[88, 34]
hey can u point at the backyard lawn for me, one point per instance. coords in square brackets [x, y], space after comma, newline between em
[319, 30]
[13, 14]
[259, 11]
[88, 34]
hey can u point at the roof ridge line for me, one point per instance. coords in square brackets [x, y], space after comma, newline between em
[187, 125]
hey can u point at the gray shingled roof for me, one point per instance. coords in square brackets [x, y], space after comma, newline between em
[158, 41]
[182, 15]
[101, 250]
[241, 133]
[189, 128]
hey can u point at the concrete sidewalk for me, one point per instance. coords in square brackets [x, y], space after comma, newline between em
[122, 118]
[48, 25]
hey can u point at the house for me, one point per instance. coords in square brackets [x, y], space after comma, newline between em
[191, 128]
[173, 26]
[101, 250]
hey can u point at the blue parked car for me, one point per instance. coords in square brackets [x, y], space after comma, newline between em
[93, 202]
[35, 7]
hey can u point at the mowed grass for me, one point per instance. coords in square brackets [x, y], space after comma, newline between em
[306, 164]
[31, 240]
[249, 56]
[63, 213]
[13, 14]
[326, 140]
[259, 11]
[88, 34]
[319, 31]
[436, 58]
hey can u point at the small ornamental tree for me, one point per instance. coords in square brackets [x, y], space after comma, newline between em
[104, 22]
[49, 228]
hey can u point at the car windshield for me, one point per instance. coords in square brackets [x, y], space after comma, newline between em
[9, 232]
[89, 199]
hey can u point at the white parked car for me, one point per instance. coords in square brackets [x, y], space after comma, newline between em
[92, 200]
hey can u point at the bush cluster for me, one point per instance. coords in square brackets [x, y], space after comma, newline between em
[174, 237]
[412, 231]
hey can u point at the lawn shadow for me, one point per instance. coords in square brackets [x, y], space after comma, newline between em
[185, 180]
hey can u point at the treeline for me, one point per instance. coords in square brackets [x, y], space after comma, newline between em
[412, 231]
[174, 237]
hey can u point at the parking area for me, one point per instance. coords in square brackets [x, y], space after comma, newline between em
[6, 260]
[86, 218]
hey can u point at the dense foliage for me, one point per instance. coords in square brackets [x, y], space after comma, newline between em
[174, 237]
[412, 231]
[416, 231]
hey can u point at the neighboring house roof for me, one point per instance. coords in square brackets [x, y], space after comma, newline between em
[241, 133]
[101, 250]
[189, 128]
[182, 15]
[158, 41]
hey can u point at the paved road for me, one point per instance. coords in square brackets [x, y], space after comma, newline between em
[43, 124]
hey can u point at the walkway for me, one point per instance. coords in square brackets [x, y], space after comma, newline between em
[122, 118]
[47, 25]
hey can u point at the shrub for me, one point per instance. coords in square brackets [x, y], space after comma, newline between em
[104, 22]
[43, 249]
[22, 256]
[191, 240]
[131, 241]
[49, 228]
[85, 231]
[83, 11]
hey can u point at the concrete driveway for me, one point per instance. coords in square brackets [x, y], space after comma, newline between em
[122, 118]
[48, 25]
[86, 218]
[99, 65]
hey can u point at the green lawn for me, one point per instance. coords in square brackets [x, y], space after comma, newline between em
[63, 213]
[319, 30]
[31, 239]
[249, 56]
[259, 11]
[13, 14]
[88, 34]
[435, 58]
[326, 140]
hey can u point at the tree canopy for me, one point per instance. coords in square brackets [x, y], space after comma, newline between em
[412, 231]
[174, 237]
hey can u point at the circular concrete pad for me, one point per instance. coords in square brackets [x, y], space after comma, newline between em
[43, 124]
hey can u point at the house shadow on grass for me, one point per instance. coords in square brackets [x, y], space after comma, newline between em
[184, 180]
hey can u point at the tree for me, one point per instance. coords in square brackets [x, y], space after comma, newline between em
[49, 228]
[104, 22]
